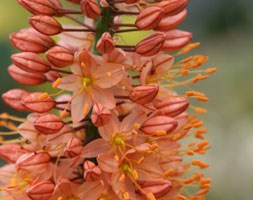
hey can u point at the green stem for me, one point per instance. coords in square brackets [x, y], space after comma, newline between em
[102, 26]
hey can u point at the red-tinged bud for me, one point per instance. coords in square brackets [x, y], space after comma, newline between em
[34, 103]
[11, 152]
[30, 62]
[74, 148]
[173, 7]
[150, 45]
[176, 39]
[13, 98]
[171, 22]
[100, 115]
[52, 75]
[149, 18]
[90, 8]
[24, 77]
[105, 44]
[172, 106]
[45, 24]
[48, 124]
[159, 125]
[91, 171]
[29, 40]
[36, 162]
[74, 1]
[41, 191]
[43, 7]
[157, 188]
[182, 119]
[144, 94]
[59, 56]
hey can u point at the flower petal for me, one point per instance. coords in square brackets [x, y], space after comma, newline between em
[96, 147]
[108, 75]
[70, 83]
[103, 96]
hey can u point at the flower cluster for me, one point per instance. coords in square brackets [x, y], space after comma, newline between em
[115, 128]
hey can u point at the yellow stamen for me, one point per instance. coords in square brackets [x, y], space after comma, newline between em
[86, 109]
[160, 132]
[137, 126]
[211, 70]
[43, 96]
[122, 178]
[125, 195]
[57, 83]
[200, 110]
[64, 113]
[109, 74]
[169, 172]
[150, 196]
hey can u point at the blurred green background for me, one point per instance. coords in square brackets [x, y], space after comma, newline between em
[224, 28]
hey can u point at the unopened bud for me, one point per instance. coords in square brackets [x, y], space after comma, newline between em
[41, 191]
[172, 106]
[74, 148]
[144, 94]
[24, 77]
[52, 75]
[176, 39]
[150, 45]
[91, 171]
[48, 124]
[45, 24]
[29, 40]
[13, 98]
[130, 1]
[90, 8]
[37, 163]
[105, 44]
[30, 62]
[100, 115]
[149, 18]
[159, 125]
[34, 103]
[173, 7]
[43, 7]
[74, 1]
[59, 56]
[11, 152]
[171, 22]
[157, 188]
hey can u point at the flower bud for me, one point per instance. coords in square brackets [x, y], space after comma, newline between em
[29, 40]
[59, 56]
[36, 162]
[90, 8]
[157, 188]
[43, 7]
[45, 24]
[24, 77]
[11, 152]
[41, 191]
[105, 44]
[13, 98]
[100, 115]
[91, 171]
[34, 103]
[74, 1]
[173, 7]
[150, 45]
[171, 22]
[176, 39]
[130, 1]
[172, 106]
[52, 75]
[159, 125]
[144, 94]
[48, 124]
[149, 18]
[74, 148]
[30, 62]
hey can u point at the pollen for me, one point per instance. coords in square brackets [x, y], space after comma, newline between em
[150, 196]
[86, 109]
[160, 132]
[169, 172]
[109, 74]
[43, 96]
[125, 195]
[57, 83]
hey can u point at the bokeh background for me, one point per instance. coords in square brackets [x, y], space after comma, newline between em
[224, 28]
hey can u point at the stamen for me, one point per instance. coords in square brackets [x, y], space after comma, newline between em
[57, 83]
[14, 118]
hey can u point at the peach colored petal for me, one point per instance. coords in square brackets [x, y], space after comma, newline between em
[78, 104]
[70, 83]
[106, 162]
[162, 63]
[103, 96]
[96, 147]
[136, 117]
[108, 75]
[90, 190]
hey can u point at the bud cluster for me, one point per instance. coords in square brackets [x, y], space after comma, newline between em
[115, 128]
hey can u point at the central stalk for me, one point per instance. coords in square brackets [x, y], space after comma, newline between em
[102, 25]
